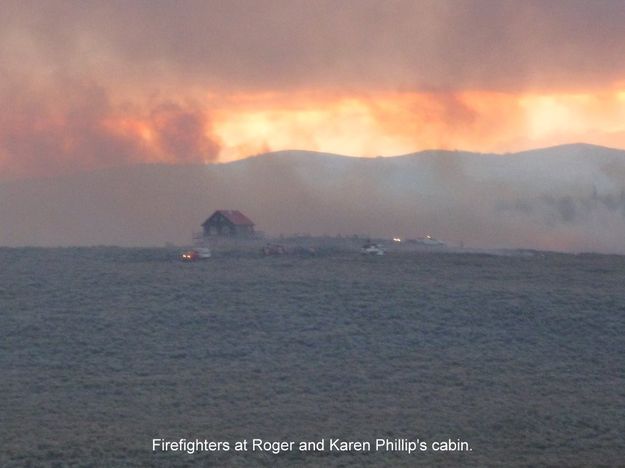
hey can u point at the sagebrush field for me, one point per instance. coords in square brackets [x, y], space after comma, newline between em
[103, 349]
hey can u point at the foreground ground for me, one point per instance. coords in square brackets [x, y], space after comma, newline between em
[104, 349]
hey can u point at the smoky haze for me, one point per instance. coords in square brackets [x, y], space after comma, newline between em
[96, 84]
[569, 198]
[272, 44]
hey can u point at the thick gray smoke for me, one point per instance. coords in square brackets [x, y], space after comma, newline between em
[564, 198]
[273, 44]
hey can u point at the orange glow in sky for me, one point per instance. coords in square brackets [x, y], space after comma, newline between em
[399, 123]
[97, 84]
[194, 126]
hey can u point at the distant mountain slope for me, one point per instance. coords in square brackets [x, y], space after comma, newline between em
[569, 197]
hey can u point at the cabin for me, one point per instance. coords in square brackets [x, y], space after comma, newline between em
[228, 223]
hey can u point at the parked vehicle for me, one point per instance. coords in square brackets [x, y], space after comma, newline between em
[371, 248]
[199, 253]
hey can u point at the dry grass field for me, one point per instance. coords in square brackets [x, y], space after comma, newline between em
[103, 349]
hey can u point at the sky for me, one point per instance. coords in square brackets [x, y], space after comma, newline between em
[103, 83]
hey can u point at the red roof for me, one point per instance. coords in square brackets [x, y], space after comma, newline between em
[235, 217]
